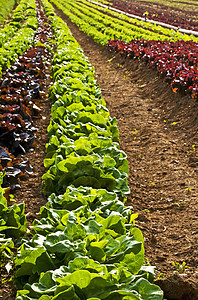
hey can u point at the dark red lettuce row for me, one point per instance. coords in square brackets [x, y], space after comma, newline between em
[159, 12]
[176, 62]
[13, 168]
[21, 89]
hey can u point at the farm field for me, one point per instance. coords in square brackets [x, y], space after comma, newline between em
[157, 124]
[178, 13]
[183, 4]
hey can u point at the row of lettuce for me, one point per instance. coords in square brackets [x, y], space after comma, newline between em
[13, 225]
[17, 36]
[20, 91]
[169, 12]
[126, 21]
[116, 25]
[17, 110]
[6, 9]
[174, 58]
[85, 244]
[176, 62]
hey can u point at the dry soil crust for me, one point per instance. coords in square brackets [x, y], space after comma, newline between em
[159, 132]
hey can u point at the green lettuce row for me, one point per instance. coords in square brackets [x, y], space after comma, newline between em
[21, 40]
[5, 9]
[90, 249]
[13, 225]
[102, 27]
[100, 37]
[95, 29]
[85, 244]
[119, 27]
[12, 219]
[82, 148]
[22, 12]
[174, 35]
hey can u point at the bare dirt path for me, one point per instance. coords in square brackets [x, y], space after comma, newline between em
[159, 133]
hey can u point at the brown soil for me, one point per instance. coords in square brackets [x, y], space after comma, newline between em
[158, 131]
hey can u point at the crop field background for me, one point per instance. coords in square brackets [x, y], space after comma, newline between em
[98, 150]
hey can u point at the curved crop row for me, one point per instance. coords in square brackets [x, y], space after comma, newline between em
[16, 40]
[19, 16]
[170, 34]
[161, 12]
[20, 92]
[111, 26]
[85, 245]
[85, 25]
[176, 62]
[21, 88]
[128, 31]
[180, 70]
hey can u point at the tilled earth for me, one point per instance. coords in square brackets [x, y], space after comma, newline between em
[159, 133]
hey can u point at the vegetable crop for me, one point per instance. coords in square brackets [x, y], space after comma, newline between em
[20, 89]
[160, 13]
[176, 62]
[85, 244]
[174, 59]
[13, 225]
[115, 26]
[162, 32]
[5, 9]
[18, 35]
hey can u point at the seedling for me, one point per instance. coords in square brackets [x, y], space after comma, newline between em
[109, 60]
[146, 210]
[180, 204]
[151, 183]
[161, 276]
[174, 123]
[134, 131]
[146, 262]
[180, 267]
[145, 14]
[193, 149]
